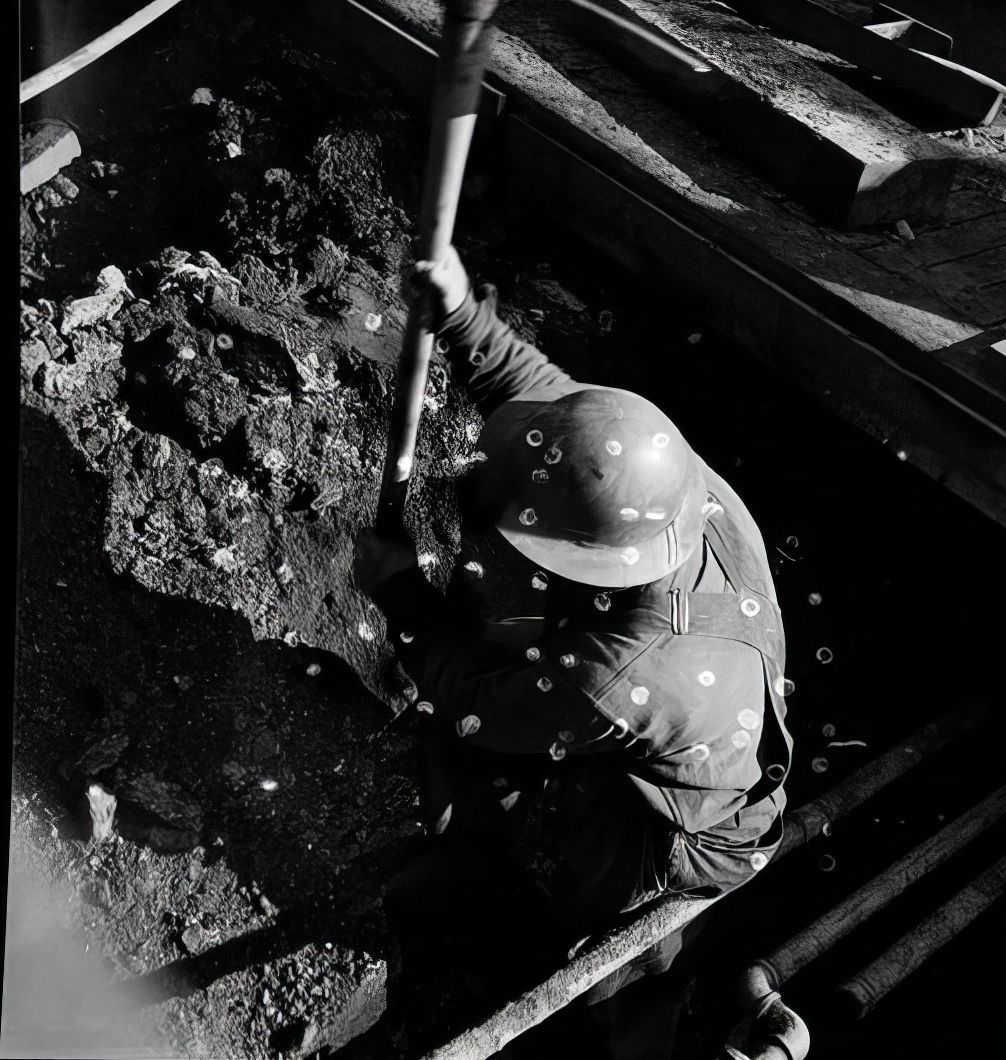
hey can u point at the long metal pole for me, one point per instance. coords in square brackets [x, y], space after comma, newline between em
[816, 817]
[820, 936]
[859, 994]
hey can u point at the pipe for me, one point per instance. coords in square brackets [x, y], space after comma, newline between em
[594, 962]
[858, 995]
[840, 921]
[771, 1030]
[52, 75]
[816, 817]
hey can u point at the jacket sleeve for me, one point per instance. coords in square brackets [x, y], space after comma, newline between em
[499, 697]
[490, 358]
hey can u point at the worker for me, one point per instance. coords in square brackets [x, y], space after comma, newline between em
[604, 677]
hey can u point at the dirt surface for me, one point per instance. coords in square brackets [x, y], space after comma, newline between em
[206, 389]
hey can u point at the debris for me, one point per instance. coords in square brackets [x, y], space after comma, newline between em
[827, 862]
[814, 599]
[847, 743]
[50, 147]
[313, 670]
[605, 321]
[828, 730]
[102, 305]
[202, 96]
[819, 765]
[268, 784]
[372, 321]
[905, 231]
[969, 137]
[695, 338]
[101, 804]
[901, 455]
[233, 149]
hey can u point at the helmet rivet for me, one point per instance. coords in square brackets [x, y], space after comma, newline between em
[405, 637]
[534, 437]
[602, 602]
[707, 678]
[661, 440]
[424, 706]
[783, 686]
[741, 738]
[539, 475]
[474, 568]
[824, 655]
[613, 447]
[557, 752]
[566, 736]
[539, 581]
[639, 695]
[567, 660]
[528, 517]
[533, 654]
[553, 455]
[750, 607]
[699, 751]
[544, 684]
[630, 515]
[630, 556]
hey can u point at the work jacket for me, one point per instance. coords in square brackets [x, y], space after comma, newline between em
[675, 687]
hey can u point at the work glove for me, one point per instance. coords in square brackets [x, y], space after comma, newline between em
[445, 281]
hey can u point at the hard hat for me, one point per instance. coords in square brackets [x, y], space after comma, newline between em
[597, 486]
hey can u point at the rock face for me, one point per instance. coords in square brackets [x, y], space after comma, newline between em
[242, 447]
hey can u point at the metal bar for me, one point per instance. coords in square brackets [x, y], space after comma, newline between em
[827, 930]
[596, 961]
[82, 57]
[861, 993]
[816, 817]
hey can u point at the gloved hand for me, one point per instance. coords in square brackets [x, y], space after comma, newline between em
[446, 281]
[376, 558]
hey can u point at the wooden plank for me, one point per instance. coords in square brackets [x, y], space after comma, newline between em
[909, 32]
[830, 148]
[979, 360]
[408, 60]
[939, 434]
[939, 245]
[50, 146]
[950, 90]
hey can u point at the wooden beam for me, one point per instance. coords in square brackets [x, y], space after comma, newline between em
[408, 60]
[937, 432]
[846, 158]
[952, 90]
[909, 32]
[50, 146]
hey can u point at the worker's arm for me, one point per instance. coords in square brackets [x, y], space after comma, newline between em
[487, 354]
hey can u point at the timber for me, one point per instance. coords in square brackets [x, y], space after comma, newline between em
[780, 111]
[953, 91]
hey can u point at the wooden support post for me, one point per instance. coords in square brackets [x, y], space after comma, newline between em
[847, 158]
